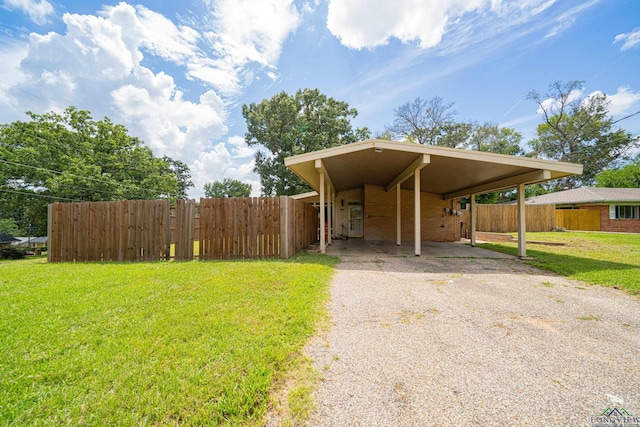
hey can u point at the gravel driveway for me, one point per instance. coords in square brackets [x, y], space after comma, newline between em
[472, 341]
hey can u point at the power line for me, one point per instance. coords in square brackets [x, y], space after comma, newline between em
[122, 184]
[22, 90]
[626, 117]
[67, 185]
[64, 147]
[26, 193]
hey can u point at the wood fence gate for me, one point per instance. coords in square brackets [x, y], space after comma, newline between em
[504, 218]
[148, 230]
[578, 219]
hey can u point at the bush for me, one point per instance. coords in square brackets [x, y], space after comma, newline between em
[12, 253]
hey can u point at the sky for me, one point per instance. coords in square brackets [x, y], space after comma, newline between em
[177, 73]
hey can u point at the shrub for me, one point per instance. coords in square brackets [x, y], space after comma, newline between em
[12, 253]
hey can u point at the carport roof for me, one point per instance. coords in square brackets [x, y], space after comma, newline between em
[450, 172]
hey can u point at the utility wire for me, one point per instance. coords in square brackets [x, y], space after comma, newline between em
[22, 90]
[626, 117]
[122, 184]
[26, 193]
[65, 148]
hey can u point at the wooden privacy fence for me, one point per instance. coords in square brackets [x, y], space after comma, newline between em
[145, 230]
[504, 218]
[578, 219]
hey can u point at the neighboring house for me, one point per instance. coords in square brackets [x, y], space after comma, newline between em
[400, 191]
[31, 242]
[618, 209]
[6, 240]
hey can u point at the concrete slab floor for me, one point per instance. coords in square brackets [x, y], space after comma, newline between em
[361, 247]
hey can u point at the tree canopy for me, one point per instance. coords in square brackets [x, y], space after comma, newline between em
[227, 188]
[10, 227]
[433, 122]
[578, 129]
[425, 121]
[71, 157]
[286, 125]
[627, 176]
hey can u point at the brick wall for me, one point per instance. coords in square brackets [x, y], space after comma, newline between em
[614, 225]
[380, 216]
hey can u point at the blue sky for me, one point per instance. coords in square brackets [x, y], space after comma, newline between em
[177, 73]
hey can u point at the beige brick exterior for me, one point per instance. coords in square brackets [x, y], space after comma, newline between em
[380, 216]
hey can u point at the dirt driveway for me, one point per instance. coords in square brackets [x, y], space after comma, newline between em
[472, 341]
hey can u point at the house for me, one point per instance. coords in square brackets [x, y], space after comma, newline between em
[388, 190]
[31, 242]
[6, 240]
[598, 209]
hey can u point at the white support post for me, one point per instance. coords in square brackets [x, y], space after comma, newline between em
[417, 222]
[330, 210]
[322, 215]
[398, 216]
[522, 223]
[474, 219]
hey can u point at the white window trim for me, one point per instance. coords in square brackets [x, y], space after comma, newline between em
[613, 209]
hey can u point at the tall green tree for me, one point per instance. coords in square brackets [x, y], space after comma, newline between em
[183, 175]
[227, 188]
[627, 176]
[578, 129]
[286, 125]
[10, 227]
[71, 157]
[493, 139]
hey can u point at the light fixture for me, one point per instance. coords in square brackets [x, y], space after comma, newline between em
[378, 149]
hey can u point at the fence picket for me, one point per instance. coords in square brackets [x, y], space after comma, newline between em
[136, 230]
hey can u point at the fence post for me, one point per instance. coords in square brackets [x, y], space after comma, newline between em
[284, 227]
[49, 232]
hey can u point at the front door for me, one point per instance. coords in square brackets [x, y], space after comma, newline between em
[355, 221]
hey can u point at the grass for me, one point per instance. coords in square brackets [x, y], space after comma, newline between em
[165, 343]
[606, 259]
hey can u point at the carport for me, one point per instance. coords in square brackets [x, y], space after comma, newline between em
[399, 167]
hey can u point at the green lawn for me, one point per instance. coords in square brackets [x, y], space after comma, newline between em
[606, 259]
[164, 343]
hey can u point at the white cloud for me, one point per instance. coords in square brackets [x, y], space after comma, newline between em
[624, 101]
[518, 121]
[252, 30]
[244, 32]
[98, 64]
[552, 105]
[38, 10]
[153, 32]
[219, 163]
[628, 40]
[568, 18]
[240, 149]
[167, 123]
[10, 75]
[360, 24]
[92, 48]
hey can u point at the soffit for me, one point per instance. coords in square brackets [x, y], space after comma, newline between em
[379, 162]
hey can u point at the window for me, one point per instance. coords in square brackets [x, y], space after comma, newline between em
[624, 212]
